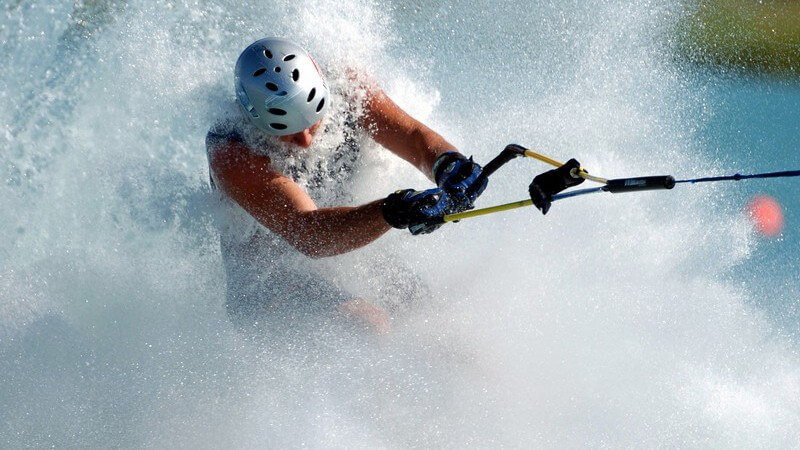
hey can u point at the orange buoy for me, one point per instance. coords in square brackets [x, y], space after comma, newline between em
[766, 214]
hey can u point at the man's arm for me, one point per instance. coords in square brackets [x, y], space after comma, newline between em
[285, 208]
[405, 136]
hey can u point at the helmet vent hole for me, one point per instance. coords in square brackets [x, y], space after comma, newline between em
[321, 104]
[295, 75]
[277, 111]
[272, 86]
[311, 95]
[259, 72]
[288, 57]
[278, 126]
[277, 70]
[267, 53]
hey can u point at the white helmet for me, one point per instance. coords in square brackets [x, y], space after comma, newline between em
[280, 87]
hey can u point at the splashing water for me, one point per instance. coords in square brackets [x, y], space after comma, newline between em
[609, 322]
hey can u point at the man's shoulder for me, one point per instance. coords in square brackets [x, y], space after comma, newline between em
[227, 145]
[233, 163]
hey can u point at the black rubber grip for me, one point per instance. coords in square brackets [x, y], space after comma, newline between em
[640, 184]
[510, 152]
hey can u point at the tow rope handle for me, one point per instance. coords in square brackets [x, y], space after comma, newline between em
[512, 151]
[615, 186]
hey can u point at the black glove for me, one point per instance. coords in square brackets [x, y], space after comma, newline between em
[460, 178]
[546, 185]
[419, 211]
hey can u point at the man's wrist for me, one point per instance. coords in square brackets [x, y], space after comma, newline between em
[393, 210]
[441, 163]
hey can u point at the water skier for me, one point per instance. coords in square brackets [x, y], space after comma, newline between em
[265, 162]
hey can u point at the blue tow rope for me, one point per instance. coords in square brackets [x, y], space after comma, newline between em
[737, 177]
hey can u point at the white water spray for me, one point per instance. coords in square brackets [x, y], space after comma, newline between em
[609, 322]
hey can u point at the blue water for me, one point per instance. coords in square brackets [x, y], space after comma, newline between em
[657, 319]
[753, 127]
